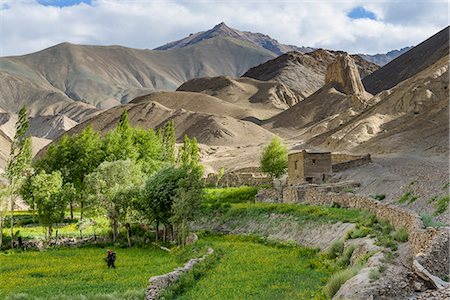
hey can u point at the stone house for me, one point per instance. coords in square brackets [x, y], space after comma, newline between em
[309, 167]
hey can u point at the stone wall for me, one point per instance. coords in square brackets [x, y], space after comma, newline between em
[351, 163]
[430, 244]
[158, 283]
[245, 176]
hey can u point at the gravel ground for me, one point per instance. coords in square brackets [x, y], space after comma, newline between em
[395, 175]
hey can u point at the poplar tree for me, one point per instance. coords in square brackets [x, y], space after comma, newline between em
[19, 161]
[169, 141]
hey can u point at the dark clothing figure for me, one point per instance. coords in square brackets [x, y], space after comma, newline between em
[111, 259]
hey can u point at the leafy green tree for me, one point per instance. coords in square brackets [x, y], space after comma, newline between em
[169, 141]
[274, 159]
[46, 190]
[158, 195]
[108, 181]
[19, 162]
[118, 143]
[149, 148]
[188, 197]
[75, 157]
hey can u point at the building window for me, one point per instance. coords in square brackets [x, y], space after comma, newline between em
[314, 161]
[295, 164]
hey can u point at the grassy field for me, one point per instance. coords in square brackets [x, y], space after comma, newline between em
[82, 271]
[247, 268]
[251, 269]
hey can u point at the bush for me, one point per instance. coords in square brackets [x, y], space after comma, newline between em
[338, 279]
[407, 197]
[359, 232]
[429, 221]
[335, 249]
[379, 197]
[387, 241]
[230, 195]
[441, 205]
[344, 260]
[374, 274]
[400, 235]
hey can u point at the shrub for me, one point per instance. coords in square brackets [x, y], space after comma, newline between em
[338, 279]
[359, 232]
[230, 195]
[400, 235]
[344, 260]
[374, 274]
[441, 205]
[387, 241]
[379, 197]
[408, 197]
[429, 221]
[335, 249]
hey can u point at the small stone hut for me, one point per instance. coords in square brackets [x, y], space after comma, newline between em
[309, 167]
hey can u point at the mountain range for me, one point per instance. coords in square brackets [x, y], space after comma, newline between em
[233, 90]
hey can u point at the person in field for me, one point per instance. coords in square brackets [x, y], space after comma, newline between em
[111, 259]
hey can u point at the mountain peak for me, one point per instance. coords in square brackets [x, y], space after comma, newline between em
[220, 26]
[222, 29]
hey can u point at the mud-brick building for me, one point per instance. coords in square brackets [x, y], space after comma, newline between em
[309, 167]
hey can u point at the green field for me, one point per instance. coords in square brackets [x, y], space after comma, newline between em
[81, 271]
[244, 267]
[261, 270]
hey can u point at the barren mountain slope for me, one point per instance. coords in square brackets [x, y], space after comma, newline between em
[303, 73]
[5, 146]
[341, 98]
[407, 65]
[410, 118]
[258, 39]
[195, 102]
[263, 99]
[382, 59]
[105, 76]
[209, 129]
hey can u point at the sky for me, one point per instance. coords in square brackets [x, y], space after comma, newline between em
[375, 26]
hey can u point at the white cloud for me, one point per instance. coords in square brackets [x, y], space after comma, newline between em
[26, 26]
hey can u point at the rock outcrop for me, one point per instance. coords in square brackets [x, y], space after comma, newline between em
[344, 75]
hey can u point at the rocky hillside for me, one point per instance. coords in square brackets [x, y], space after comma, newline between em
[382, 59]
[412, 62]
[209, 129]
[303, 73]
[261, 99]
[412, 117]
[341, 98]
[101, 77]
[257, 39]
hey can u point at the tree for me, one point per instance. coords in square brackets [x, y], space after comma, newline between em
[46, 191]
[274, 159]
[107, 182]
[169, 141]
[149, 148]
[118, 143]
[3, 206]
[158, 195]
[75, 157]
[19, 162]
[190, 187]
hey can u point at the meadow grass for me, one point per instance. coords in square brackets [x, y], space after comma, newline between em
[320, 214]
[252, 268]
[80, 271]
[230, 195]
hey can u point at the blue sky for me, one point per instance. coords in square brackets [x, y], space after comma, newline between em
[360, 12]
[375, 26]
